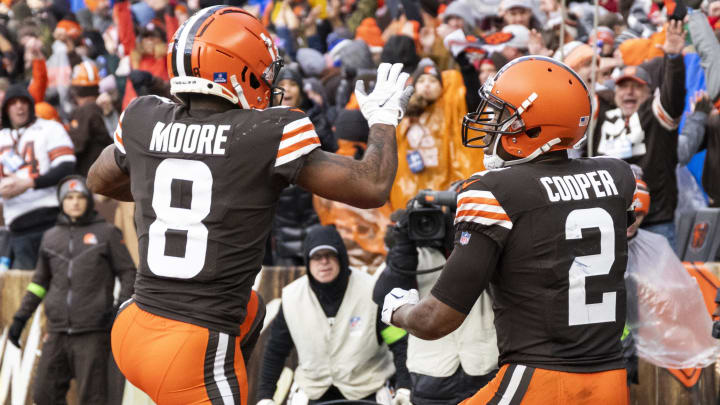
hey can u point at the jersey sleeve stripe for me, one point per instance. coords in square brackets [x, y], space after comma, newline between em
[501, 216]
[289, 157]
[298, 138]
[300, 130]
[119, 142]
[63, 158]
[482, 207]
[294, 127]
[298, 145]
[482, 220]
[478, 200]
[60, 151]
[118, 135]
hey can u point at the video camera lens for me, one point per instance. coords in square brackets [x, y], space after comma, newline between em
[426, 224]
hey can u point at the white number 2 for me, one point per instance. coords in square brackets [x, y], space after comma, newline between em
[579, 312]
[181, 219]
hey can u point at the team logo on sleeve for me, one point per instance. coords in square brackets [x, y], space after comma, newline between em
[464, 238]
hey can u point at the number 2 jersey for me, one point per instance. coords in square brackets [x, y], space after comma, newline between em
[558, 288]
[205, 186]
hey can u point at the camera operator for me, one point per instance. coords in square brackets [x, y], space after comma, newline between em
[454, 367]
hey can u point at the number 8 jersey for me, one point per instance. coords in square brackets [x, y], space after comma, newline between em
[558, 289]
[205, 187]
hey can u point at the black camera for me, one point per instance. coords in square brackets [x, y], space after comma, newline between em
[426, 216]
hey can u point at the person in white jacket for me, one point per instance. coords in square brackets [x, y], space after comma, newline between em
[344, 349]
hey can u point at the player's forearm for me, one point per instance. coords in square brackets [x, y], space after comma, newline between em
[362, 183]
[379, 164]
[106, 178]
[419, 320]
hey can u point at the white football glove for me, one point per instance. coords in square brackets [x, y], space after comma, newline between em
[386, 103]
[395, 299]
[266, 402]
[402, 397]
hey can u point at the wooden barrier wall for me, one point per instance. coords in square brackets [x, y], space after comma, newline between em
[656, 386]
[14, 282]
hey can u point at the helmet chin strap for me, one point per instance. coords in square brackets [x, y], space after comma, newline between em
[496, 162]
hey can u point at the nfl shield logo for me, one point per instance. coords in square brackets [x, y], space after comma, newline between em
[584, 120]
[464, 238]
[220, 77]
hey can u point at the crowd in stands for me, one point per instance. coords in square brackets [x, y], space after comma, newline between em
[77, 63]
[69, 67]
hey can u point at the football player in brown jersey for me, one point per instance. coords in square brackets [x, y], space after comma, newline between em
[205, 175]
[546, 234]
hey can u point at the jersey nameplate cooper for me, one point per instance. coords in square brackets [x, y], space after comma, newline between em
[575, 187]
[177, 137]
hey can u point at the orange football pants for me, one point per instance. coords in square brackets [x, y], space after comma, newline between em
[515, 384]
[180, 363]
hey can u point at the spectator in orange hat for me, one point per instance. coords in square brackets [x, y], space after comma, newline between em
[369, 32]
[46, 111]
[67, 30]
[87, 127]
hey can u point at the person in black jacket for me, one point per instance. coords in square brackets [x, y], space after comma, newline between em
[80, 258]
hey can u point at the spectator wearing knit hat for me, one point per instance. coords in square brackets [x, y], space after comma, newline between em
[401, 49]
[311, 61]
[369, 32]
[87, 126]
[519, 12]
[459, 15]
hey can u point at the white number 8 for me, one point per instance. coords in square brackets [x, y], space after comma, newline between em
[181, 219]
[579, 312]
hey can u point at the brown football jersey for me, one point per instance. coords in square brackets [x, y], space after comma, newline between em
[205, 186]
[558, 290]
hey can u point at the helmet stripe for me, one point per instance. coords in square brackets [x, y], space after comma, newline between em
[90, 72]
[182, 50]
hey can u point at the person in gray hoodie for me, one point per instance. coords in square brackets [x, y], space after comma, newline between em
[79, 259]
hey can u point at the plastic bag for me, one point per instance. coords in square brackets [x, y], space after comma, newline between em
[690, 196]
[667, 315]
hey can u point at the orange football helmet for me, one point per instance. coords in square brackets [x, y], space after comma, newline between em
[226, 52]
[85, 73]
[532, 105]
